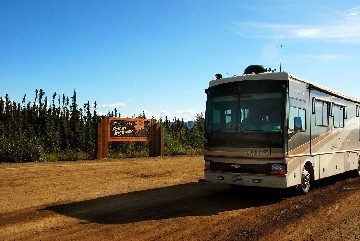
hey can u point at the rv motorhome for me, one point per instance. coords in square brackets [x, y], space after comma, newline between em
[274, 129]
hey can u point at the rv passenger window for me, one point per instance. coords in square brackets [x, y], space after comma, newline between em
[222, 113]
[321, 113]
[338, 116]
[297, 112]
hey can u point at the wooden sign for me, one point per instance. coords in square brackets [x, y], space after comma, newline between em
[129, 129]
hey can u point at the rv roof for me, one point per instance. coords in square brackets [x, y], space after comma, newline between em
[274, 76]
[325, 89]
[281, 76]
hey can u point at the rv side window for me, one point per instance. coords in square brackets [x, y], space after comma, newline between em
[339, 116]
[297, 112]
[321, 113]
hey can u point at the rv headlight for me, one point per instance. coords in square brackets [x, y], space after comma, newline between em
[278, 169]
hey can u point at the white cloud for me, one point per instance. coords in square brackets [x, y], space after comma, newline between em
[164, 113]
[346, 30]
[147, 113]
[308, 33]
[187, 114]
[265, 30]
[117, 105]
[354, 13]
[187, 111]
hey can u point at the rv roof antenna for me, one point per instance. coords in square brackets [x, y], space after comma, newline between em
[280, 56]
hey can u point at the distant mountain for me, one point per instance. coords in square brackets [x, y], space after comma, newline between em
[189, 124]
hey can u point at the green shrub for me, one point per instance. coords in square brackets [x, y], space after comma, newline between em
[20, 150]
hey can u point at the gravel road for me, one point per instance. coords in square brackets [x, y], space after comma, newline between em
[162, 199]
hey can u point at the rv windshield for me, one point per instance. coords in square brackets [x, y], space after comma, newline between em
[239, 112]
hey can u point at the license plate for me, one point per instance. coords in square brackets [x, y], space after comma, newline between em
[235, 175]
[237, 181]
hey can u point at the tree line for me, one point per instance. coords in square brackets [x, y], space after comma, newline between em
[58, 129]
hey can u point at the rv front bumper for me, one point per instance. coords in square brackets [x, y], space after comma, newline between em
[256, 180]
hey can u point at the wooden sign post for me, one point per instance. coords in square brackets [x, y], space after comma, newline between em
[157, 140]
[101, 143]
[129, 129]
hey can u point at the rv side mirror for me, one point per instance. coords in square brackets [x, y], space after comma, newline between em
[298, 124]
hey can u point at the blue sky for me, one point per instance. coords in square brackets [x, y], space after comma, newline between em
[158, 56]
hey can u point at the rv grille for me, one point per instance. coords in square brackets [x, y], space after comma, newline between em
[238, 168]
[241, 143]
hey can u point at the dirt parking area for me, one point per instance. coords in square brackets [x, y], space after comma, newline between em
[162, 199]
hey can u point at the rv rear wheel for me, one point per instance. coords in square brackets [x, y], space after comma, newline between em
[358, 169]
[305, 180]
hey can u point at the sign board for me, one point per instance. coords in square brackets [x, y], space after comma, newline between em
[129, 129]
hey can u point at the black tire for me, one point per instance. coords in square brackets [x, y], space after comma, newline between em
[306, 178]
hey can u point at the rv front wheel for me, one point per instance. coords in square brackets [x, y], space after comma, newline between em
[305, 180]
[358, 169]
